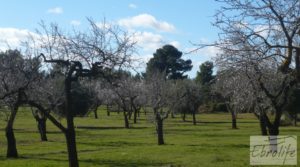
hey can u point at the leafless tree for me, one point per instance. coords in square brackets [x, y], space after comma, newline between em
[235, 88]
[95, 52]
[186, 98]
[17, 76]
[263, 38]
[158, 91]
[128, 90]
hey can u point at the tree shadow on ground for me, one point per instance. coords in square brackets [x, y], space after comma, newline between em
[106, 128]
[113, 144]
[95, 162]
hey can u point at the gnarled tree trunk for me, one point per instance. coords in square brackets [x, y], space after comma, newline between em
[41, 120]
[10, 136]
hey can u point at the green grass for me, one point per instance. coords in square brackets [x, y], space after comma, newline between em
[104, 142]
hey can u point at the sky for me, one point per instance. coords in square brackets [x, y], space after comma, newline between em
[155, 22]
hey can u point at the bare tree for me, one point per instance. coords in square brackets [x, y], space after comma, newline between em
[186, 98]
[158, 98]
[263, 38]
[235, 88]
[95, 52]
[17, 76]
[128, 91]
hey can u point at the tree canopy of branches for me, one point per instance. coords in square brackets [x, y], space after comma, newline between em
[261, 38]
[17, 77]
[168, 59]
[95, 52]
[158, 93]
[187, 97]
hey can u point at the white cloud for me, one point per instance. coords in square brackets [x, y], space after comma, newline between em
[11, 38]
[75, 22]
[176, 44]
[56, 10]
[148, 41]
[132, 6]
[146, 21]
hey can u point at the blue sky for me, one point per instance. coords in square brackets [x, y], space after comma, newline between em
[157, 22]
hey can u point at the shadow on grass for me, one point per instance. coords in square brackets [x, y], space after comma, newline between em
[117, 144]
[230, 146]
[216, 122]
[111, 162]
[106, 128]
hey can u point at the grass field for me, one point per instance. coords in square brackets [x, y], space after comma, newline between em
[104, 142]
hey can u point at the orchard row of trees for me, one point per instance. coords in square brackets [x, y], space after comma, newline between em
[62, 76]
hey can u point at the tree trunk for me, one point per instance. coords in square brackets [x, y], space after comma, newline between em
[130, 114]
[108, 112]
[159, 130]
[263, 126]
[172, 115]
[41, 123]
[118, 110]
[183, 116]
[194, 118]
[273, 130]
[71, 146]
[233, 118]
[10, 136]
[295, 118]
[95, 112]
[70, 131]
[135, 116]
[126, 120]
[42, 129]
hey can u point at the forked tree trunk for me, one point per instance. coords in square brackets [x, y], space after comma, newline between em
[10, 136]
